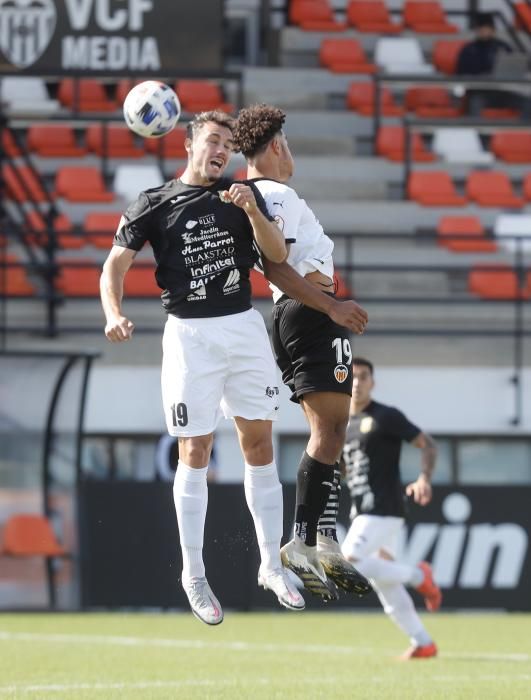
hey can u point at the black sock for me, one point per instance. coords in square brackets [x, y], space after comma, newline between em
[314, 483]
[328, 520]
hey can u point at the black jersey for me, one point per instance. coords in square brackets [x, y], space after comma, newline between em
[204, 248]
[372, 459]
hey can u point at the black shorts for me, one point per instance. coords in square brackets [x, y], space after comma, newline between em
[312, 352]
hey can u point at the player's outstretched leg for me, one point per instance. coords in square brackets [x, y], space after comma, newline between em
[303, 561]
[203, 602]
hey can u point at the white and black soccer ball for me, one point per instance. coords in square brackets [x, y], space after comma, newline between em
[151, 109]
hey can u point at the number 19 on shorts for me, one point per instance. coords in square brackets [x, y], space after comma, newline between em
[179, 415]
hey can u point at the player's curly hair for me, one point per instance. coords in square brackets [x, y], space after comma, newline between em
[216, 115]
[255, 127]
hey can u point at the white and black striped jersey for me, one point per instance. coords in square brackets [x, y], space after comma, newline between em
[204, 248]
[310, 248]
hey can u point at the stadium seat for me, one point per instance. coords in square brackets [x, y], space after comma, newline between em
[100, 228]
[30, 535]
[444, 54]
[23, 95]
[22, 184]
[401, 55]
[476, 242]
[390, 143]
[314, 16]
[9, 145]
[140, 281]
[522, 16]
[500, 113]
[344, 56]
[15, 282]
[496, 281]
[119, 141]
[371, 16]
[240, 174]
[512, 146]
[78, 277]
[434, 188]
[81, 185]
[526, 187]
[63, 227]
[460, 145]
[91, 96]
[360, 98]
[169, 146]
[129, 180]
[509, 226]
[491, 189]
[426, 17]
[201, 95]
[54, 141]
[430, 102]
[259, 285]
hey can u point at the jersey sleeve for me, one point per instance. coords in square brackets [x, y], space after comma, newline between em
[401, 427]
[286, 208]
[132, 231]
[261, 202]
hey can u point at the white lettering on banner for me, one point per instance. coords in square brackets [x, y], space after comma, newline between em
[79, 12]
[478, 548]
[103, 53]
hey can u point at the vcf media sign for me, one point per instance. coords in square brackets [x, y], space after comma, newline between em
[172, 37]
[477, 539]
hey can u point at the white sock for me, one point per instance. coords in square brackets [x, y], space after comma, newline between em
[263, 493]
[397, 603]
[190, 494]
[386, 571]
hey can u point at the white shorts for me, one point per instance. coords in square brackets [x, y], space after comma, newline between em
[370, 533]
[215, 366]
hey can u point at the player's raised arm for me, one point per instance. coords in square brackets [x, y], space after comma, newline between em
[268, 236]
[118, 328]
[345, 313]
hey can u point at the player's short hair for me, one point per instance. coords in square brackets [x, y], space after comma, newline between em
[364, 363]
[215, 115]
[256, 126]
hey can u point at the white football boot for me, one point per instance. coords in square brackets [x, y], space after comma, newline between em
[203, 602]
[278, 581]
[304, 562]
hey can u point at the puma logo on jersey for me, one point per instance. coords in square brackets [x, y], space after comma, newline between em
[278, 204]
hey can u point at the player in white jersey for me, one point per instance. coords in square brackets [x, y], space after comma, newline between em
[313, 353]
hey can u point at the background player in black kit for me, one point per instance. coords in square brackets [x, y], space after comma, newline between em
[371, 460]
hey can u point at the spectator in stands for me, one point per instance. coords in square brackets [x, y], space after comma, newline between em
[371, 459]
[478, 58]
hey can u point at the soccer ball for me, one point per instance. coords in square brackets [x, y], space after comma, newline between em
[151, 109]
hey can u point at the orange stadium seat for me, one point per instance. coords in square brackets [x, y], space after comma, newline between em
[27, 535]
[522, 16]
[434, 188]
[201, 95]
[259, 285]
[140, 282]
[314, 15]
[449, 226]
[427, 17]
[100, 227]
[81, 185]
[240, 174]
[526, 187]
[430, 102]
[15, 282]
[91, 96]
[78, 277]
[54, 141]
[63, 227]
[500, 113]
[120, 141]
[496, 281]
[9, 144]
[512, 146]
[491, 189]
[360, 98]
[445, 53]
[169, 146]
[371, 16]
[22, 184]
[344, 56]
[390, 143]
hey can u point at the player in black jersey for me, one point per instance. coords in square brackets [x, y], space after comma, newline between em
[313, 353]
[371, 459]
[206, 235]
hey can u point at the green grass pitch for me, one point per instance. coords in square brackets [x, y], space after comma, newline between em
[297, 656]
